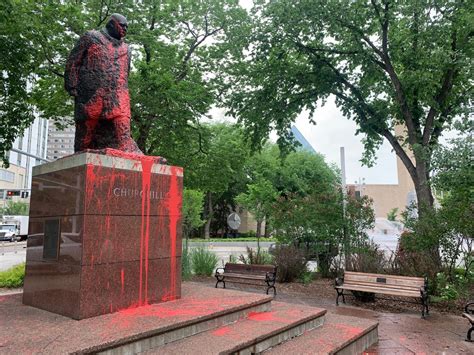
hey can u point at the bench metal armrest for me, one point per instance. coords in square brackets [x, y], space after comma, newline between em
[218, 272]
[338, 281]
[469, 308]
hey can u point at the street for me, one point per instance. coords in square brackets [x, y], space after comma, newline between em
[15, 253]
[11, 254]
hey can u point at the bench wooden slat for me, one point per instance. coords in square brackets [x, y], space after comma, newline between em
[394, 285]
[245, 268]
[383, 285]
[395, 278]
[376, 289]
[242, 276]
[232, 272]
[388, 280]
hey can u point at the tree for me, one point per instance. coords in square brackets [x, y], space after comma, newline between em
[308, 211]
[193, 203]
[258, 200]
[179, 44]
[213, 164]
[15, 208]
[454, 181]
[16, 66]
[386, 63]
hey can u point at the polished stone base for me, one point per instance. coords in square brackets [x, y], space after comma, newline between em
[104, 234]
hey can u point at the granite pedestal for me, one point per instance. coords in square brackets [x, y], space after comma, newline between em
[104, 234]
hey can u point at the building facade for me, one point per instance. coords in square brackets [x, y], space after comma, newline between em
[60, 141]
[15, 181]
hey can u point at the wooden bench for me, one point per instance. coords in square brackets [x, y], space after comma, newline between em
[248, 274]
[469, 315]
[394, 285]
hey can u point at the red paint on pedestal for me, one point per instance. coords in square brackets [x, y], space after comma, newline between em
[147, 164]
[174, 210]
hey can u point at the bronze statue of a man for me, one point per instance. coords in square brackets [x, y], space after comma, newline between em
[97, 76]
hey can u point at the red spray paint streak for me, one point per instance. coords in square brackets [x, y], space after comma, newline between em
[174, 209]
[122, 279]
[147, 164]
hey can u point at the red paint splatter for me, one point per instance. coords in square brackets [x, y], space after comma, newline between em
[347, 329]
[147, 164]
[221, 331]
[174, 200]
[261, 316]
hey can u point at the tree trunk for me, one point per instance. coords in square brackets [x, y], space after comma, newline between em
[210, 210]
[267, 227]
[259, 228]
[422, 187]
[420, 176]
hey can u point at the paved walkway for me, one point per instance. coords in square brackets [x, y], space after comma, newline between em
[399, 333]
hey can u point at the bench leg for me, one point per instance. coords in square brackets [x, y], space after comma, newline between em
[274, 290]
[339, 294]
[271, 285]
[424, 304]
[219, 281]
[469, 332]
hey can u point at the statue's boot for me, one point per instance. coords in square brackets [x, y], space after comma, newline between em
[124, 136]
[85, 132]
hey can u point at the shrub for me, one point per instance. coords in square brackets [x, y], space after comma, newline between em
[13, 277]
[186, 270]
[392, 214]
[290, 261]
[203, 261]
[412, 256]
[257, 256]
[306, 277]
[367, 258]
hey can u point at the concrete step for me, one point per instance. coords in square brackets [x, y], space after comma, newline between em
[201, 314]
[33, 331]
[339, 335]
[254, 334]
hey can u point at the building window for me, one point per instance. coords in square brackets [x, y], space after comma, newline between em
[6, 175]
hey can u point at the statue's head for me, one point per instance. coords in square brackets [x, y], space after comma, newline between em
[117, 26]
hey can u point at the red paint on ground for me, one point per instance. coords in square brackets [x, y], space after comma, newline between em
[348, 330]
[261, 316]
[221, 331]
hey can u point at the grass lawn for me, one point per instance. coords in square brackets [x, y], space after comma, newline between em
[13, 277]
